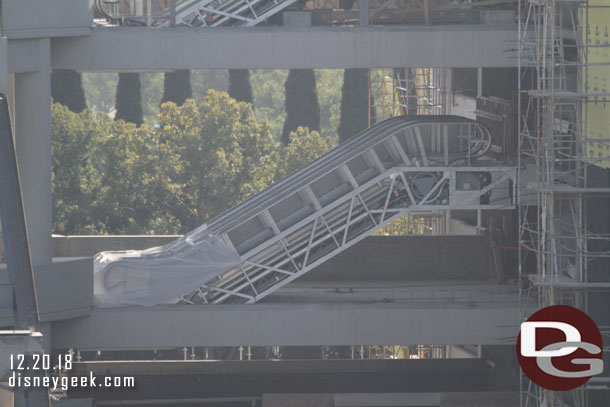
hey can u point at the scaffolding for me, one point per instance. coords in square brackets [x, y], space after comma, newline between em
[412, 91]
[564, 152]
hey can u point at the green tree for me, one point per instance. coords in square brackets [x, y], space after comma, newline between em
[354, 103]
[177, 86]
[127, 164]
[111, 176]
[152, 92]
[301, 102]
[329, 94]
[67, 89]
[100, 90]
[239, 85]
[268, 90]
[128, 102]
[75, 180]
[303, 147]
[212, 150]
[203, 80]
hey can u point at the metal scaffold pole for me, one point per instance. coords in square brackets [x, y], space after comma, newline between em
[564, 233]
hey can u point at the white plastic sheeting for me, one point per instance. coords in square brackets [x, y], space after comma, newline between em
[161, 275]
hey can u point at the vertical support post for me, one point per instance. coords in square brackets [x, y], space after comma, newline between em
[172, 13]
[14, 229]
[32, 146]
[364, 12]
[427, 12]
[148, 13]
[32, 129]
[19, 264]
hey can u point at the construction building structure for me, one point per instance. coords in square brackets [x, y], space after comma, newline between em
[564, 237]
[529, 81]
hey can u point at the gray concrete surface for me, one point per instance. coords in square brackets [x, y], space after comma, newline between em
[298, 400]
[32, 130]
[296, 19]
[387, 258]
[76, 246]
[64, 289]
[23, 55]
[40, 18]
[331, 315]
[465, 399]
[445, 293]
[409, 258]
[124, 49]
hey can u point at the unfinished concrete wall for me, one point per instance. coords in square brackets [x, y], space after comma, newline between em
[43, 18]
[77, 246]
[414, 258]
[392, 258]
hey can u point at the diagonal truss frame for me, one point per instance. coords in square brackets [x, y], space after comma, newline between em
[332, 229]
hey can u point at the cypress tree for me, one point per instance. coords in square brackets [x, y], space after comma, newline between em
[355, 103]
[128, 102]
[177, 86]
[67, 89]
[239, 85]
[301, 103]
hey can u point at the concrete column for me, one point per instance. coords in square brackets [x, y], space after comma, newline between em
[32, 129]
[364, 12]
[172, 13]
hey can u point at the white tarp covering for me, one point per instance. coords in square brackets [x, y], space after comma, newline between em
[160, 275]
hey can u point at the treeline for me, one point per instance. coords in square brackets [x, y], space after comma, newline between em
[111, 176]
[122, 176]
[340, 95]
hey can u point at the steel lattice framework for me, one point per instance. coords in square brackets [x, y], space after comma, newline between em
[559, 252]
[402, 165]
[368, 207]
[214, 13]
[193, 13]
